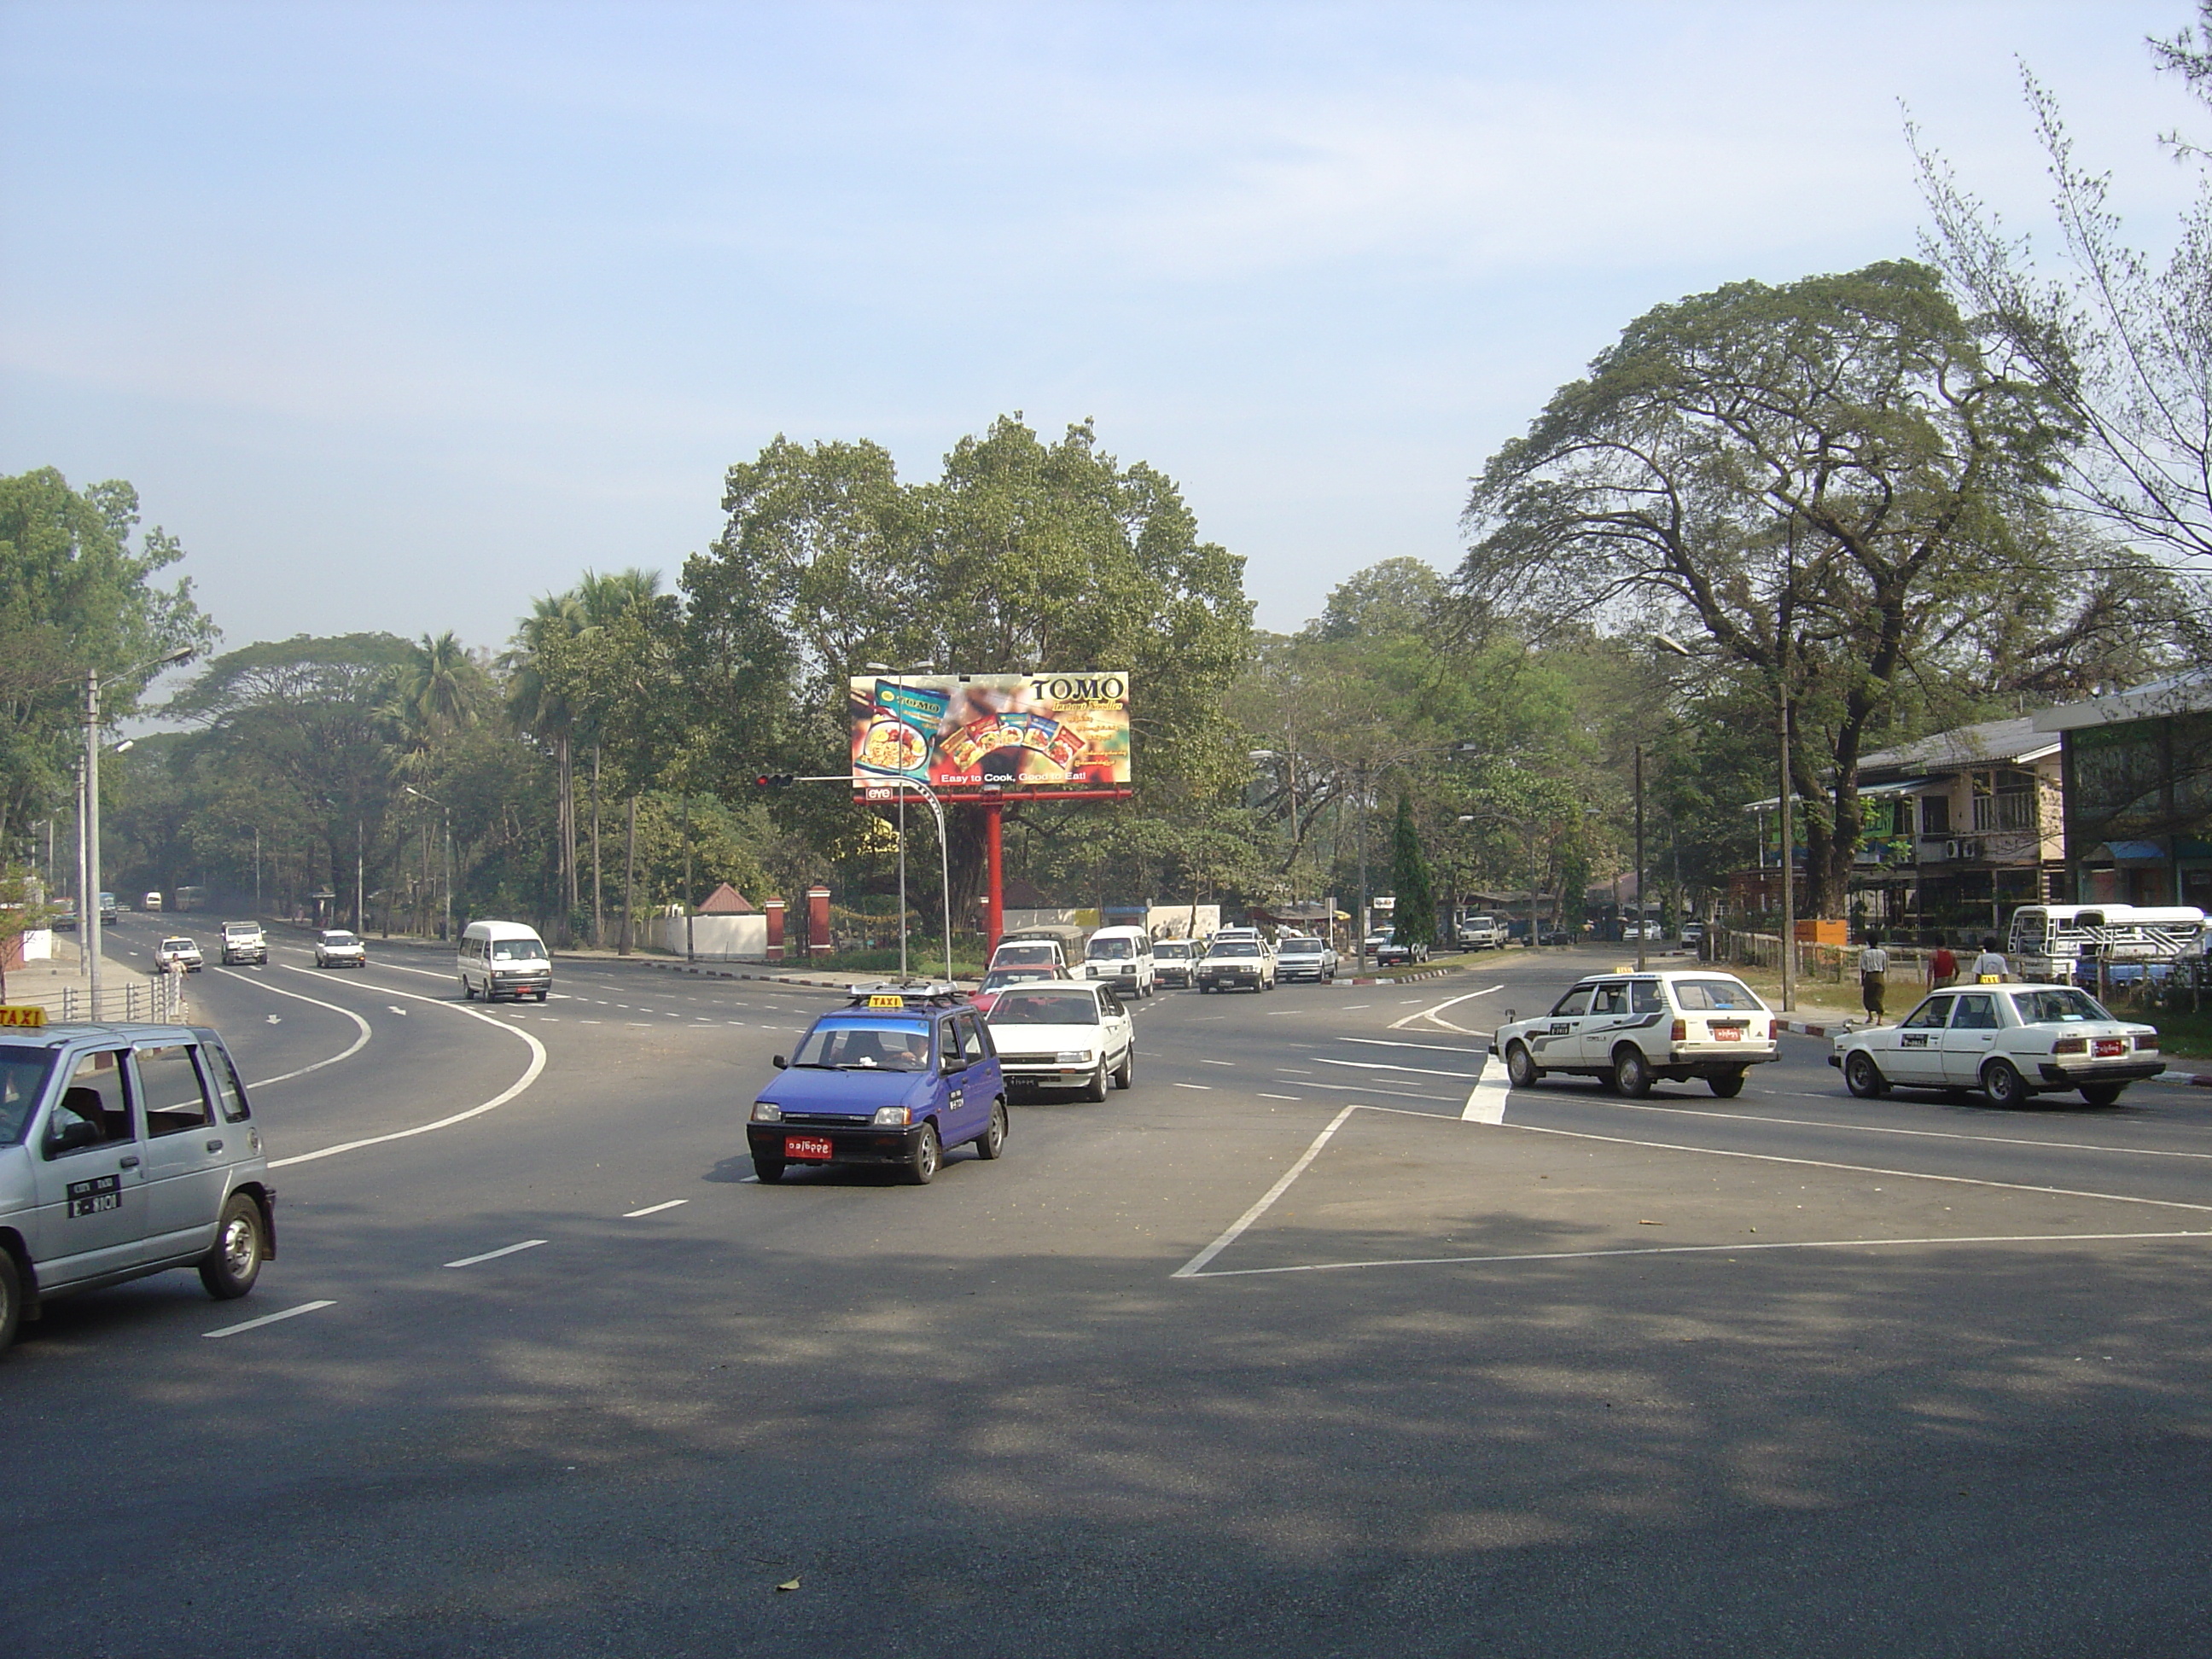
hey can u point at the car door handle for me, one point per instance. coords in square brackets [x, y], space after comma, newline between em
[214, 1146]
[126, 1164]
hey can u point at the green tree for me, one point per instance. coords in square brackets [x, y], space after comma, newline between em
[1833, 482]
[1414, 918]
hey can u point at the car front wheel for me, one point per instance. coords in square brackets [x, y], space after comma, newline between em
[1095, 1089]
[922, 1163]
[1863, 1077]
[768, 1171]
[1521, 1067]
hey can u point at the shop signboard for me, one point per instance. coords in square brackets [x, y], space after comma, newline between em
[970, 736]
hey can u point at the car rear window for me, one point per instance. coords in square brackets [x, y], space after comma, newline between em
[1694, 996]
[1045, 1008]
[2056, 1008]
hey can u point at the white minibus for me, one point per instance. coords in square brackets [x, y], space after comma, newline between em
[504, 959]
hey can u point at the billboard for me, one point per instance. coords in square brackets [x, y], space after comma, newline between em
[960, 734]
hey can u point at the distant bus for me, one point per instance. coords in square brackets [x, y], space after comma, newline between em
[191, 898]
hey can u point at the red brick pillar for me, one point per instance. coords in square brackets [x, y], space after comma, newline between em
[817, 921]
[774, 908]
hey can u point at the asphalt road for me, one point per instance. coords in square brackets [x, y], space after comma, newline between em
[1280, 1352]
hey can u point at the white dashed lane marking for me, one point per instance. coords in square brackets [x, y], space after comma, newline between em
[653, 1209]
[270, 1319]
[494, 1255]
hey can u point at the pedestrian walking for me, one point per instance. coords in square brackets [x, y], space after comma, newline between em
[1873, 977]
[1990, 968]
[1942, 968]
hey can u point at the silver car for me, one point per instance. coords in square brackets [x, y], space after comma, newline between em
[336, 948]
[1303, 956]
[125, 1150]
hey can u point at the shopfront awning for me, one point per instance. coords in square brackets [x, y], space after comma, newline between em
[2128, 852]
[1867, 792]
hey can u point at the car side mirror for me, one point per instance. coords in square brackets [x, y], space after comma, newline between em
[72, 1136]
[778, 1062]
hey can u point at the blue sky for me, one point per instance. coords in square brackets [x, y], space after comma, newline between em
[398, 315]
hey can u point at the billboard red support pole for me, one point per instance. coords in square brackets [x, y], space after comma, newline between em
[994, 910]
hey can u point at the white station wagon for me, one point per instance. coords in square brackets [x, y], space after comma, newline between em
[1629, 1030]
[2011, 1041]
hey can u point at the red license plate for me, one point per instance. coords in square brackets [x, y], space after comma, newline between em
[813, 1148]
[1728, 1033]
[2108, 1047]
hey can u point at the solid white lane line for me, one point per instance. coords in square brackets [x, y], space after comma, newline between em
[1433, 1048]
[653, 1209]
[1485, 1101]
[1863, 1169]
[529, 1076]
[271, 1318]
[1196, 1264]
[1696, 1249]
[1885, 1129]
[1384, 1065]
[1206, 1087]
[346, 1054]
[1434, 1012]
[494, 1255]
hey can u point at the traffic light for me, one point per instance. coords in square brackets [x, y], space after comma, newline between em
[774, 780]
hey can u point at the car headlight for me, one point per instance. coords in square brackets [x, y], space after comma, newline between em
[1072, 1057]
[889, 1117]
[767, 1111]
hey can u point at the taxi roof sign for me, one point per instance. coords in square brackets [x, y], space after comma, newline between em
[22, 1016]
[904, 993]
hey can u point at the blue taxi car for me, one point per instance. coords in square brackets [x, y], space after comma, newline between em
[896, 1078]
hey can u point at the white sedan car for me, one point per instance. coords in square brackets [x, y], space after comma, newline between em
[2011, 1041]
[177, 955]
[1628, 1030]
[1064, 1035]
[338, 948]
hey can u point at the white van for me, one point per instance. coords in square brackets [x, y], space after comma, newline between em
[1122, 957]
[504, 958]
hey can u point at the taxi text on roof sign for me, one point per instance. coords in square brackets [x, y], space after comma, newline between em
[22, 1014]
[887, 1002]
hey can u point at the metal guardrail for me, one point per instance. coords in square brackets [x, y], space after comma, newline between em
[158, 1002]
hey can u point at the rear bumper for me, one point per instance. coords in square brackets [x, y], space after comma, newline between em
[2073, 1076]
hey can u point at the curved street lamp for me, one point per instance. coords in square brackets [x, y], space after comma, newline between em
[89, 820]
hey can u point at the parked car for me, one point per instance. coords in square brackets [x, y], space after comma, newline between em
[895, 1077]
[177, 955]
[1693, 934]
[1304, 956]
[2011, 1041]
[124, 1151]
[242, 942]
[1236, 964]
[1077, 1036]
[1629, 1030]
[1173, 961]
[336, 948]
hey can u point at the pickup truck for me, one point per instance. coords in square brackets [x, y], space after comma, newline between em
[242, 942]
[1481, 933]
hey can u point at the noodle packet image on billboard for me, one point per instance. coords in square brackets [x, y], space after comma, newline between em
[959, 733]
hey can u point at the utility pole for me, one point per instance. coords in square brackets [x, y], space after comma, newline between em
[1639, 857]
[88, 925]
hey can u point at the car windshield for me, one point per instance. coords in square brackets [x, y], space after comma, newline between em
[1110, 950]
[516, 950]
[177, 945]
[338, 938]
[1722, 995]
[22, 1080]
[1045, 1008]
[875, 1045]
[2056, 1008]
[1235, 947]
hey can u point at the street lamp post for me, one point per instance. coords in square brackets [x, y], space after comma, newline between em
[88, 925]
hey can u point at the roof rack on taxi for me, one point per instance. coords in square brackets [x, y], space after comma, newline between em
[906, 993]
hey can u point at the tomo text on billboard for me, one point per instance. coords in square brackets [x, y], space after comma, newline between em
[967, 735]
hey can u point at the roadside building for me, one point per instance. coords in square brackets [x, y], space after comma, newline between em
[2138, 768]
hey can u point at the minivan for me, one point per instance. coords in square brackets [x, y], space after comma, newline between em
[1122, 957]
[504, 958]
